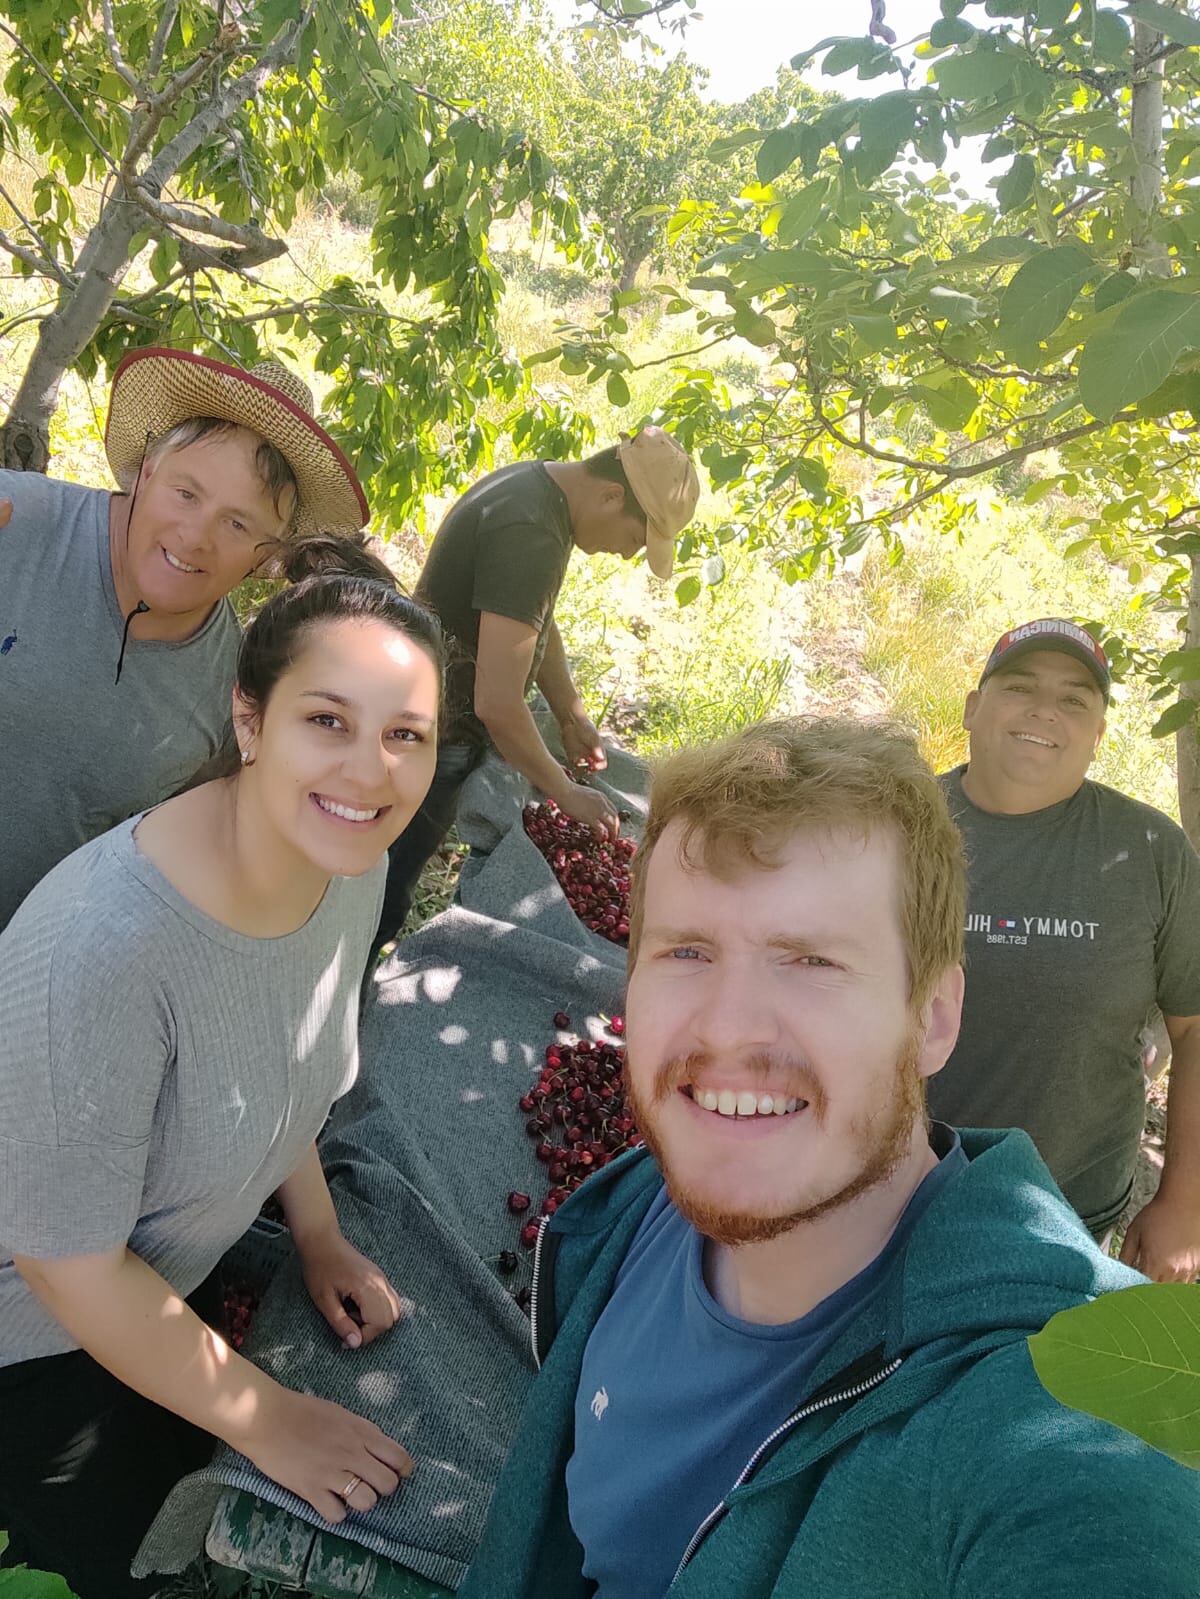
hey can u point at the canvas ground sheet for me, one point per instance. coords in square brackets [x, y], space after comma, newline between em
[421, 1155]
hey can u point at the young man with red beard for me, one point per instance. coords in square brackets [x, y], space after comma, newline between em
[783, 1349]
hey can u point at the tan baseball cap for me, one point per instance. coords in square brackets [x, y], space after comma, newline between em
[665, 485]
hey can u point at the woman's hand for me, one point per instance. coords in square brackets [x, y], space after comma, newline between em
[334, 1272]
[335, 1460]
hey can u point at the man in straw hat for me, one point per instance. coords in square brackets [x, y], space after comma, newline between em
[117, 639]
[492, 575]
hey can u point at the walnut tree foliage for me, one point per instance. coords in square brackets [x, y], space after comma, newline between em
[628, 131]
[200, 126]
[946, 339]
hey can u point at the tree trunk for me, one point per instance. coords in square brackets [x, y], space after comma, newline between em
[99, 271]
[1148, 256]
[105, 259]
[630, 267]
[1187, 746]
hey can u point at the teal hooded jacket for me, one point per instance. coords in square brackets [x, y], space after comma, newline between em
[926, 1461]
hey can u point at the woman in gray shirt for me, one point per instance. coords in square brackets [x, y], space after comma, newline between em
[178, 1010]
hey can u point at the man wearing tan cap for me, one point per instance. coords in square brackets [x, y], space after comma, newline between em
[117, 639]
[492, 575]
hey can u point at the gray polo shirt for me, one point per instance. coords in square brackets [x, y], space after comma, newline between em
[160, 1074]
[82, 752]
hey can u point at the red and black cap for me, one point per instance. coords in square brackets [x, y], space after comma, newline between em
[1050, 633]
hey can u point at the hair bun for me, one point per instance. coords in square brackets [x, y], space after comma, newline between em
[333, 555]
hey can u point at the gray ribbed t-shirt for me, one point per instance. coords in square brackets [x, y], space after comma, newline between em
[81, 751]
[160, 1074]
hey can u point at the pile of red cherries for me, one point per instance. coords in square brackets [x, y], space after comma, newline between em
[579, 1116]
[237, 1311]
[593, 874]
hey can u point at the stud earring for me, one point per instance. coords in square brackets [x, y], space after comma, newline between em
[247, 758]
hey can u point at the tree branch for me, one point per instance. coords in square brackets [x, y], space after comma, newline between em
[39, 264]
[166, 21]
[319, 302]
[247, 235]
[222, 106]
[51, 267]
[982, 370]
[120, 66]
[613, 12]
[146, 123]
[679, 355]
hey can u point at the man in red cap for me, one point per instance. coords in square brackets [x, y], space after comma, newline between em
[1083, 918]
[117, 639]
[492, 575]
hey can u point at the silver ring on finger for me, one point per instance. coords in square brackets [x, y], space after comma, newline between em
[350, 1487]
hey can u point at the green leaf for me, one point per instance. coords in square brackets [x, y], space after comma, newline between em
[1181, 392]
[951, 405]
[1175, 717]
[1053, 13]
[1111, 38]
[884, 126]
[868, 55]
[1015, 187]
[687, 591]
[878, 333]
[1130, 359]
[1181, 666]
[18, 1582]
[731, 142]
[1116, 287]
[1131, 1358]
[1040, 294]
[751, 325]
[950, 30]
[273, 15]
[952, 305]
[977, 75]
[801, 212]
[778, 150]
[1174, 25]
[1005, 249]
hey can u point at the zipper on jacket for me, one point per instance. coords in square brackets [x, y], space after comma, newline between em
[715, 1514]
[533, 1290]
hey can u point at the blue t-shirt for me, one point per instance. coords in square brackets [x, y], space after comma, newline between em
[675, 1394]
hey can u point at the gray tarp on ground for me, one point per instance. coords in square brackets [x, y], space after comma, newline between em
[421, 1155]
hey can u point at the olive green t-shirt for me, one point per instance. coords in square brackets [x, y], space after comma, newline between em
[1081, 918]
[503, 548]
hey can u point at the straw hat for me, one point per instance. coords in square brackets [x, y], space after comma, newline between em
[155, 389]
[665, 485]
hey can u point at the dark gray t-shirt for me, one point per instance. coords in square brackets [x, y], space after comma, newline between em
[1081, 919]
[160, 1074]
[502, 548]
[82, 752]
